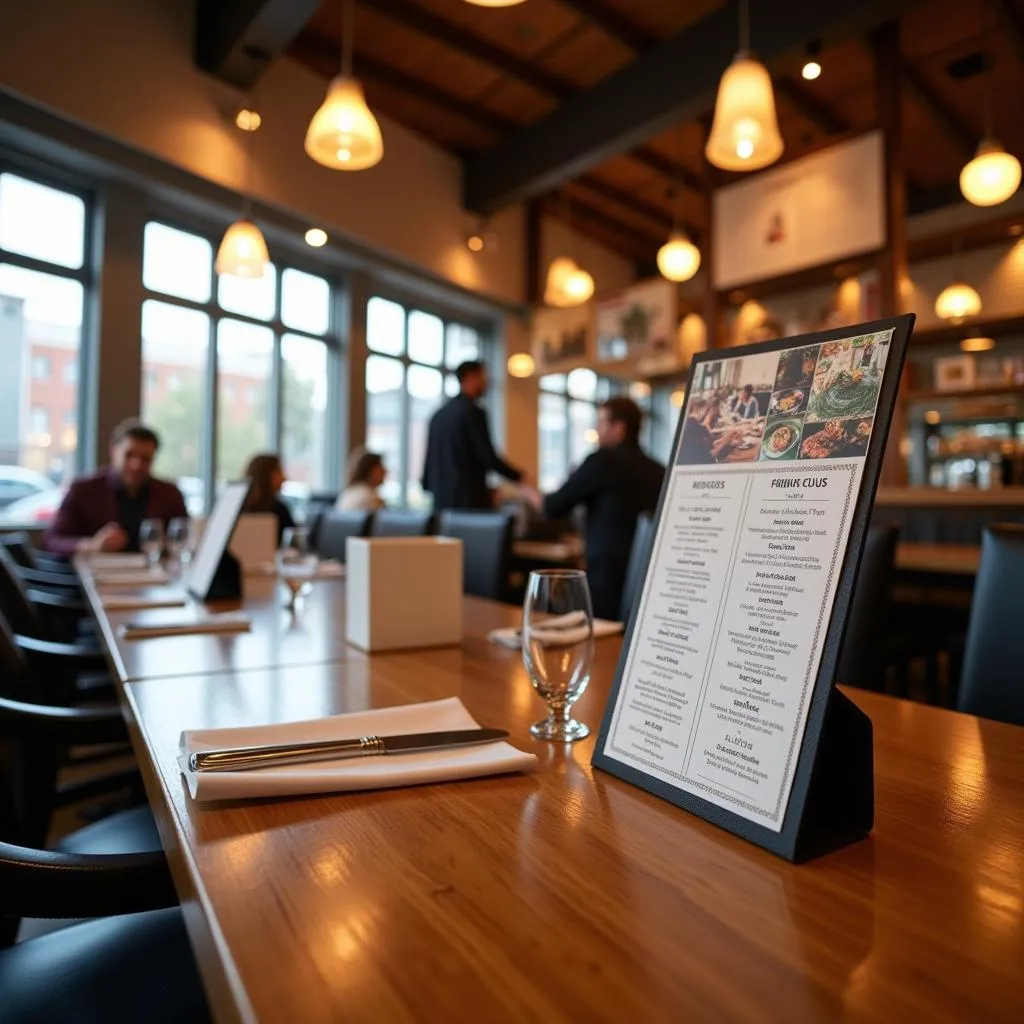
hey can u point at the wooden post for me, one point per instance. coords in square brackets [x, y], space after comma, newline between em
[892, 261]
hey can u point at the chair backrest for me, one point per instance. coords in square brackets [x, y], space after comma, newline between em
[486, 550]
[336, 527]
[862, 656]
[637, 565]
[19, 544]
[15, 603]
[992, 680]
[396, 522]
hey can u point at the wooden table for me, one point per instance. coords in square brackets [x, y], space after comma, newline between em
[568, 895]
[939, 559]
[555, 551]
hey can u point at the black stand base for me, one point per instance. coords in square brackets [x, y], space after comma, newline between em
[227, 580]
[840, 807]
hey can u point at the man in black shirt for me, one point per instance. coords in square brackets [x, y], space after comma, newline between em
[459, 449]
[615, 484]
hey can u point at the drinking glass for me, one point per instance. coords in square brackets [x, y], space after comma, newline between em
[558, 647]
[151, 540]
[177, 539]
[296, 563]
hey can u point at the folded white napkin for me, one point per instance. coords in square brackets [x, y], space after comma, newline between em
[110, 561]
[148, 577]
[560, 629]
[185, 623]
[163, 598]
[326, 570]
[380, 772]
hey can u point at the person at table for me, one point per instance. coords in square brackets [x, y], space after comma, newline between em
[699, 446]
[104, 512]
[267, 477]
[366, 473]
[744, 405]
[615, 485]
[460, 453]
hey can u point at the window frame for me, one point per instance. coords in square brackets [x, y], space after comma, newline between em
[485, 335]
[333, 340]
[86, 275]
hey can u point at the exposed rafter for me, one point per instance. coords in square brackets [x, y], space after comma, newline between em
[816, 110]
[581, 214]
[622, 198]
[235, 39]
[413, 15]
[617, 25]
[673, 82]
[652, 159]
[961, 135]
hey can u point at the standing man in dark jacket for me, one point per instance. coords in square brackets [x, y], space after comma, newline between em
[459, 449]
[615, 484]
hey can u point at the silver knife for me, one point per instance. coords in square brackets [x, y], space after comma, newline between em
[239, 758]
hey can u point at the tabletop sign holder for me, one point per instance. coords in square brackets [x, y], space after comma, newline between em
[214, 573]
[818, 786]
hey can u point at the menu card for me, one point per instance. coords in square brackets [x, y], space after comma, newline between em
[775, 446]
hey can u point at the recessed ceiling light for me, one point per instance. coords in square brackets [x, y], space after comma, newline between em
[316, 237]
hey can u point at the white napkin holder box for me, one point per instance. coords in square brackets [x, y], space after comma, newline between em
[403, 592]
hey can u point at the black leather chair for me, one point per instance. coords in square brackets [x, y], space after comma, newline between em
[336, 527]
[862, 658]
[128, 968]
[486, 550]
[396, 522]
[52, 614]
[319, 504]
[637, 567]
[992, 679]
[25, 553]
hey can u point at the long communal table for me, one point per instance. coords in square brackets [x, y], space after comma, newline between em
[564, 895]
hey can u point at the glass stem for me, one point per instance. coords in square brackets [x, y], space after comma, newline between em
[559, 713]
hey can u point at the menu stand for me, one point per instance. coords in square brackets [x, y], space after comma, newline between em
[227, 580]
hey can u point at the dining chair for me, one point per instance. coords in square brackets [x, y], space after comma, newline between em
[27, 555]
[487, 539]
[336, 527]
[33, 611]
[397, 522]
[636, 569]
[863, 654]
[992, 679]
[133, 961]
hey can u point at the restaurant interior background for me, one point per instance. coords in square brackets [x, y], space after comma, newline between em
[509, 141]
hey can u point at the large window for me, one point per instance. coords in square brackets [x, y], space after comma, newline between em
[408, 374]
[44, 280]
[234, 367]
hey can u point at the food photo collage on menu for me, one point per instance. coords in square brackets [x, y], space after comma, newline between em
[714, 690]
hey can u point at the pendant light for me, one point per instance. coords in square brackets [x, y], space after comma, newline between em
[344, 134]
[957, 301]
[567, 284]
[243, 249]
[744, 134]
[993, 175]
[678, 258]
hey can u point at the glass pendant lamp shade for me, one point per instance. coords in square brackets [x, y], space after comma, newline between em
[745, 132]
[344, 134]
[243, 251]
[992, 176]
[567, 284]
[957, 301]
[678, 258]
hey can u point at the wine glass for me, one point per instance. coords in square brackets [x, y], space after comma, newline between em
[177, 539]
[558, 646]
[151, 540]
[296, 563]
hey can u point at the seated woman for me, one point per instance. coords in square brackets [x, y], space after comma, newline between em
[366, 473]
[267, 477]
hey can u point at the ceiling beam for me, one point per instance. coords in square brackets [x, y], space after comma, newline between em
[812, 107]
[578, 215]
[620, 197]
[236, 39]
[412, 14]
[322, 54]
[653, 160]
[960, 134]
[671, 83]
[611, 21]
[1012, 22]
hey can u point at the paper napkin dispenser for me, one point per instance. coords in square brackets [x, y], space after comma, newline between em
[403, 592]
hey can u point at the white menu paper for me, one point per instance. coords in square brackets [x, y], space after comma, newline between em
[746, 560]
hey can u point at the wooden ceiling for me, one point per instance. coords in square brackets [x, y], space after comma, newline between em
[469, 77]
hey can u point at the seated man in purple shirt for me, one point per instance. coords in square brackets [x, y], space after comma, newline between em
[104, 512]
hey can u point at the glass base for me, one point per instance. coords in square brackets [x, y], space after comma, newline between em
[559, 731]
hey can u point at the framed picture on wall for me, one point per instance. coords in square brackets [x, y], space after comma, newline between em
[954, 373]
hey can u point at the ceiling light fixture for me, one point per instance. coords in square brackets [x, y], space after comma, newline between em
[812, 66]
[495, 3]
[247, 119]
[744, 134]
[977, 344]
[316, 237]
[344, 134]
[475, 242]
[678, 258]
[520, 364]
[567, 284]
[957, 301]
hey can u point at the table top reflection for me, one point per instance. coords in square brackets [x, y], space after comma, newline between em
[568, 895]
